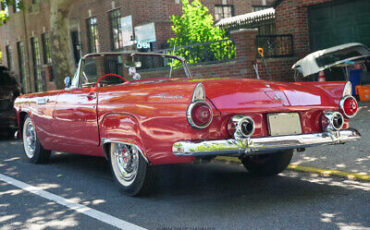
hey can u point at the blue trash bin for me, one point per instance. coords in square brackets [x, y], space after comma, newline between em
[355, 79]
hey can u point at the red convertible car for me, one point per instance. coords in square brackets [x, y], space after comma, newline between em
[144, 109]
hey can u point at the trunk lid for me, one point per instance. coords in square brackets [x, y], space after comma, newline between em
[258, 95]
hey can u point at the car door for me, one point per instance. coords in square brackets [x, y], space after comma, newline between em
[75, 115]
[75, 118]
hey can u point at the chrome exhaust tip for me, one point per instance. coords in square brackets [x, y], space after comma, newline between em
[332, 121]
[244, 126]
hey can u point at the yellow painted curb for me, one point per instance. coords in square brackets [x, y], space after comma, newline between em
[323, 172]
[330, 172]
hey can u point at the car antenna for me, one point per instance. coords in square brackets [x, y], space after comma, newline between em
[255, 67]
[173, 53]
[260, 52]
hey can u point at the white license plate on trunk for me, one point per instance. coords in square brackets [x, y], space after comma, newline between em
[284, 124]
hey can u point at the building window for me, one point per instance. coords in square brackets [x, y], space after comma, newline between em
[16, 6]
[258, 8]
[9, 57]
[46, 54]
[93, 35]
[116, 30]
[36, 59]
[22, 66]
[223, 11]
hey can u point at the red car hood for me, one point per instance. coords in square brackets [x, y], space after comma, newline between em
[257, 95]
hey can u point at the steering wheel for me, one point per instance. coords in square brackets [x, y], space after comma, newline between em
[108, 75]
[92, 93]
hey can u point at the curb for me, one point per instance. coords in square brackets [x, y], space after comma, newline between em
[299, 168]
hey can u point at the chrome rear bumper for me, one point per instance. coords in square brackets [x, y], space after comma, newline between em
[255, 146]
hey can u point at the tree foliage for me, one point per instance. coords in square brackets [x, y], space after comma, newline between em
[59, 34]
[4, 15]
[194, 26]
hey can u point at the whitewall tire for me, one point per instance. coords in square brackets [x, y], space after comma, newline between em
[35, 153]
[129, 168]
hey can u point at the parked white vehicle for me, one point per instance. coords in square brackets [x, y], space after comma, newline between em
[342, 55]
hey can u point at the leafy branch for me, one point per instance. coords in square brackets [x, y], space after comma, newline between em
[194, 26]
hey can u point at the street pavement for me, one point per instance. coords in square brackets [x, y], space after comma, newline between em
[216, 195]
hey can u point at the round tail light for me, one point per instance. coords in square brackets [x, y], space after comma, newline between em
[349, 106]
[199, 114]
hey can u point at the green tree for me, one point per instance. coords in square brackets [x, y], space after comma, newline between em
[3, 14]
[59, 40]
[194, 26]
[59, 35]
[4, 17]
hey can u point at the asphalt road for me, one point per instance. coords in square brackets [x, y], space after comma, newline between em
[191, 196]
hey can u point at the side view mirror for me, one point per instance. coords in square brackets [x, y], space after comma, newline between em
[67, 81]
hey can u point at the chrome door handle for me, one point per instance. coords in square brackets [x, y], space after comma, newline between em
[91, 96]
[42, 101]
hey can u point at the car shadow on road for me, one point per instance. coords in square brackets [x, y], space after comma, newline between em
[214, 187]
[220, 193]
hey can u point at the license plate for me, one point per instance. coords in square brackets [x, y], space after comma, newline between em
[284, 124]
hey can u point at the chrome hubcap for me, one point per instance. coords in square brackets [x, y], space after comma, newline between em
[29, 139]
[125, 161]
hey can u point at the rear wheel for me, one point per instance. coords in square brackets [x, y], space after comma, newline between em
[35, 153]
[130, 169]
[268, 164]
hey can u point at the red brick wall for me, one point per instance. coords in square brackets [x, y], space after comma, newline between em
[37, 21]
[244, 41]
[292, 18]
[280, 69]
[142, 11]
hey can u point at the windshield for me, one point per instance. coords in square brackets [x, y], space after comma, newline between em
[131, 67]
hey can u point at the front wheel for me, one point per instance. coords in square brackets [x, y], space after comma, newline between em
[129, 168]
[268, 164]
[35, 153]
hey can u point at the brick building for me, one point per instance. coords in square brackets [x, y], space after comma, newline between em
[95, 25]
[302, 26]
[315, 25]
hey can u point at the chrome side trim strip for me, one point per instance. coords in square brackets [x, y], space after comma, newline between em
[255, 146]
